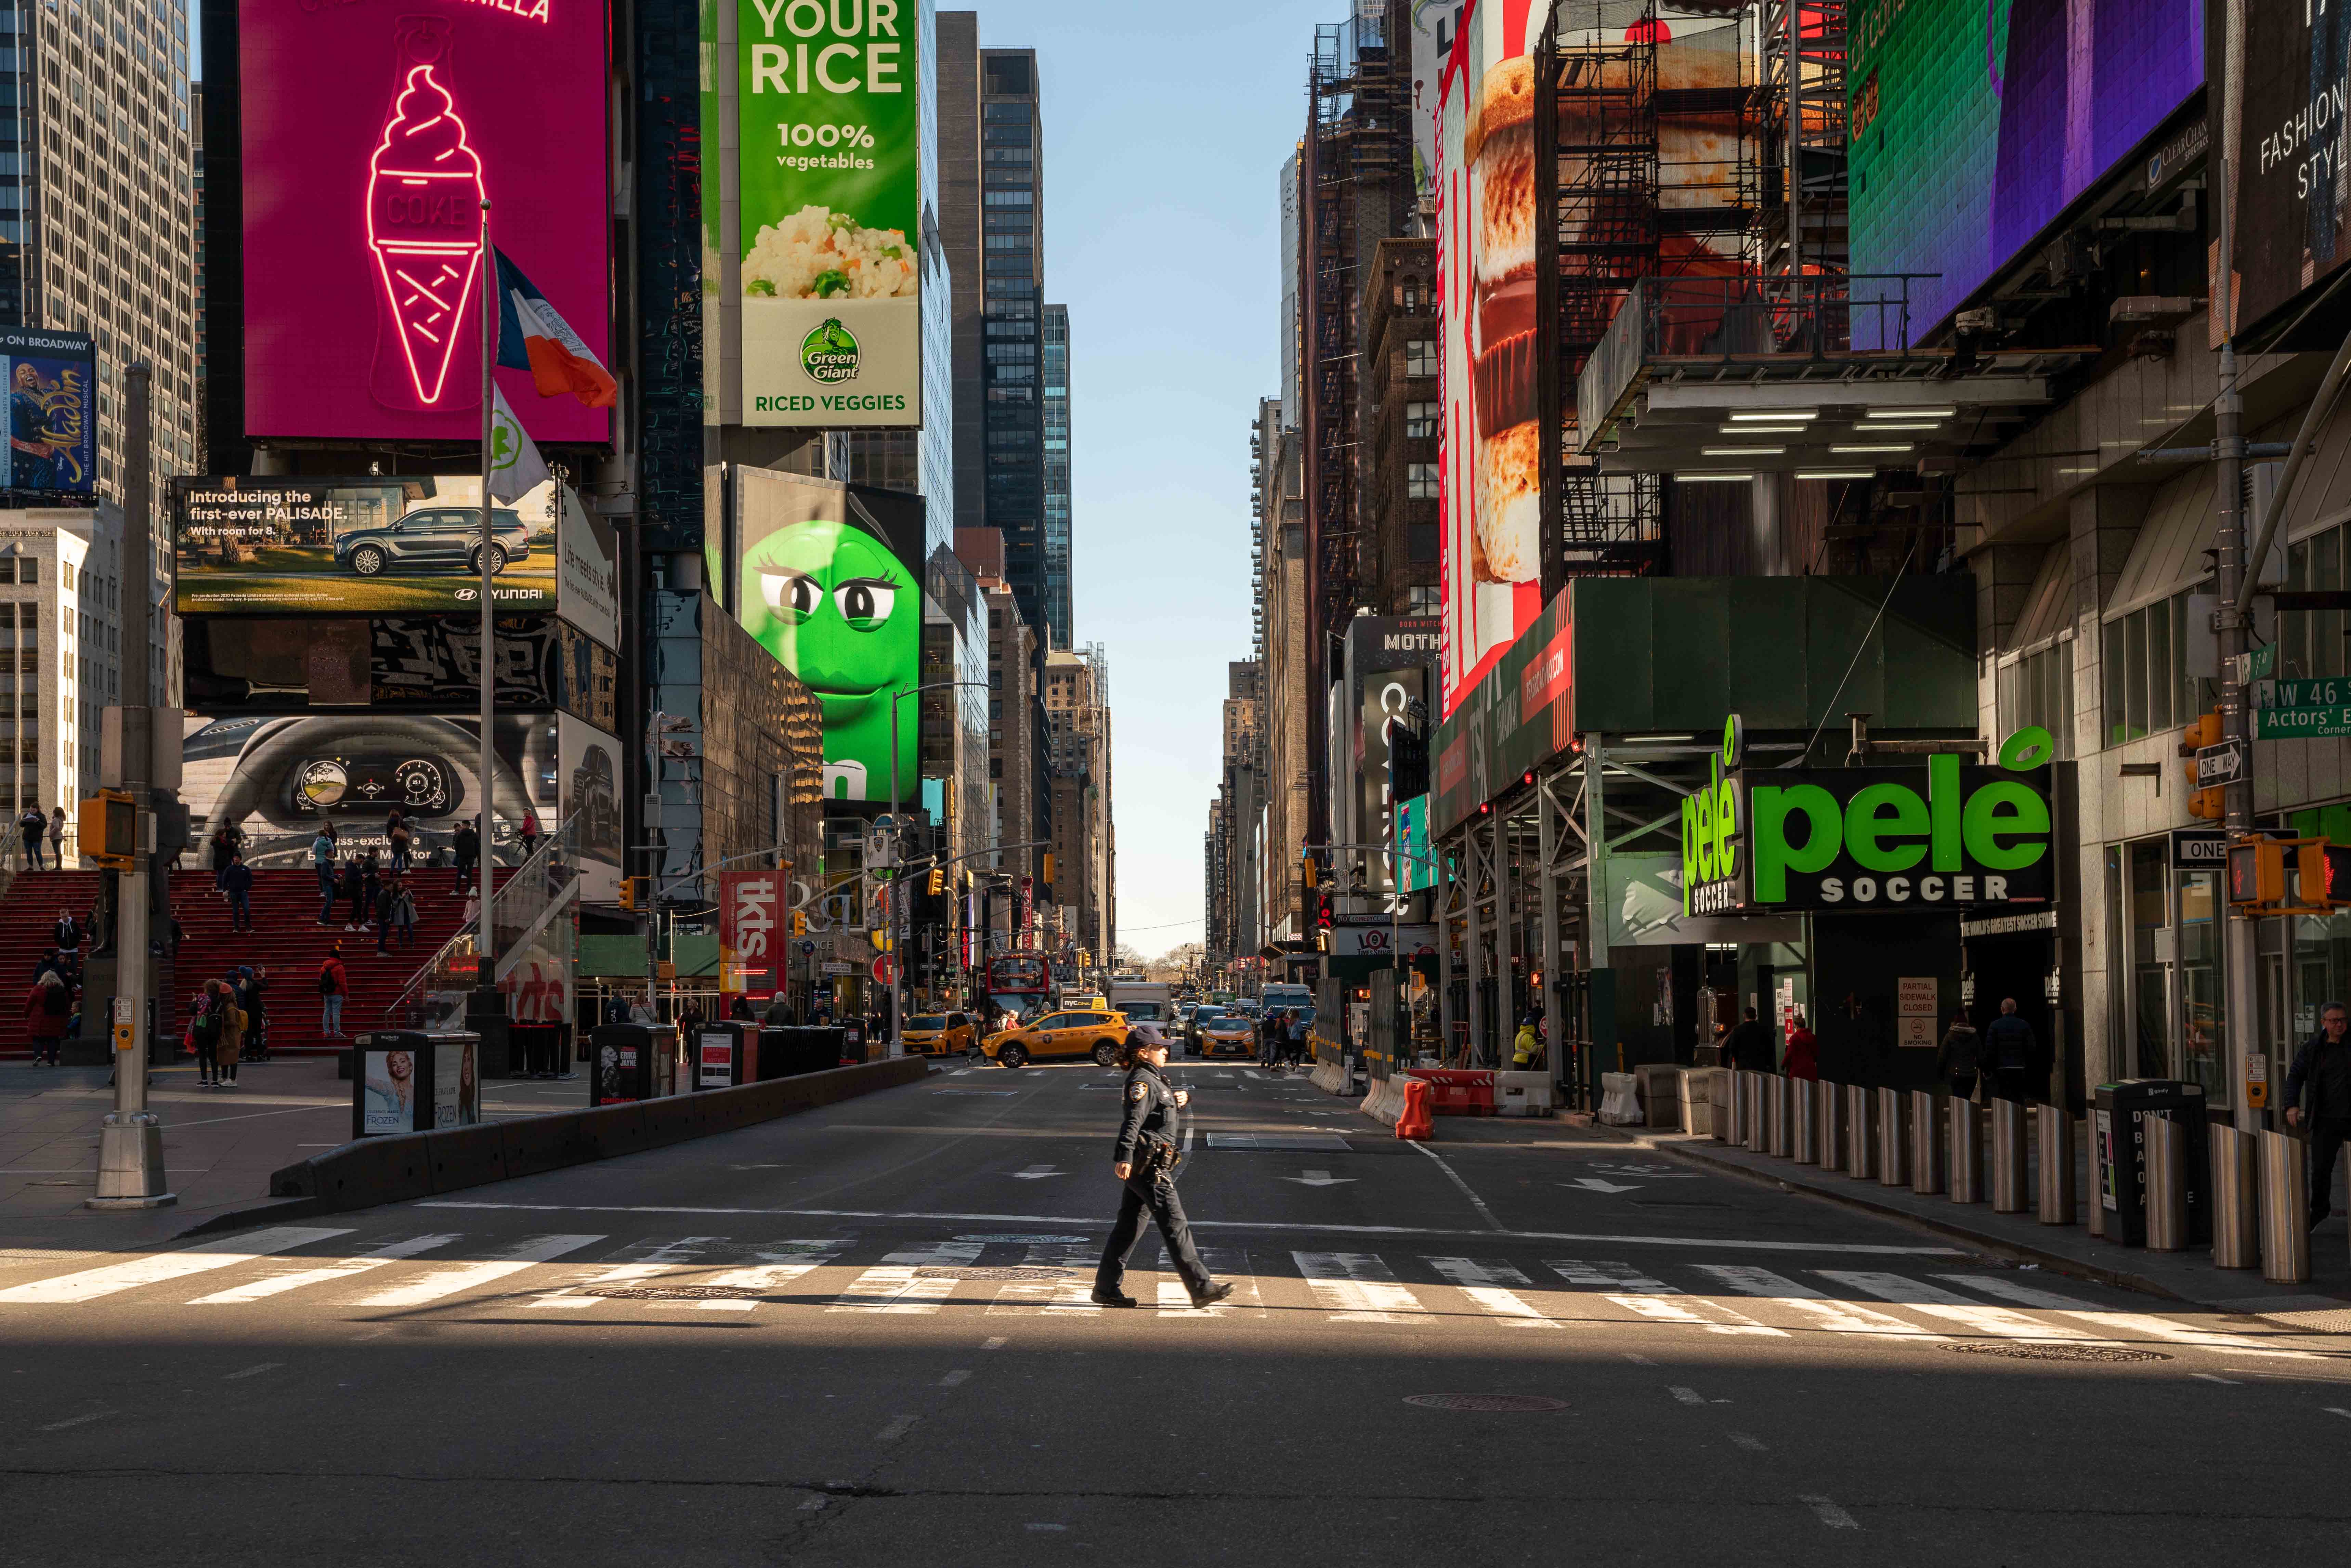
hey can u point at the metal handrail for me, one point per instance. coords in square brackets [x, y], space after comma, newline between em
[550, 870]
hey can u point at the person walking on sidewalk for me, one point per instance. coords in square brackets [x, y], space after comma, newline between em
[1960, 1058]
[1748, 1047]
[1145, 1161]
[1803, 1052]
[208, 1017]
[334, 985]
[49, 1005]
[232, 1036]
[30, 826]
[2323, 1065]
[2010, 1048]
[237, 883]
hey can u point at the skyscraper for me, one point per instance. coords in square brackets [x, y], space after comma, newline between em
[1057, 474]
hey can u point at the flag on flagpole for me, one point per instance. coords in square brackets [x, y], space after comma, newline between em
[516, 468]
[532, 337]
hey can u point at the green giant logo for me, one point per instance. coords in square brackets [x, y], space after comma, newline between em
[828, 354]
[1873, 837]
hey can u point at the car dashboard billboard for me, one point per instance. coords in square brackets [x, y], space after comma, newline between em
[353, 546]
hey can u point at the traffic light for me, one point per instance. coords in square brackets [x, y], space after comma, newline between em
[1306, 866]
[939, 883]
[2257, 871]
[1049, 868]
[800, 922]
[633, 892]
[108, 827]
[2205, 802]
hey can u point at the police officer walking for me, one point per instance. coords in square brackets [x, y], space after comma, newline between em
[1145, 1167]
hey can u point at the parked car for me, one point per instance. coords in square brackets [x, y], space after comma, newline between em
[434, 538]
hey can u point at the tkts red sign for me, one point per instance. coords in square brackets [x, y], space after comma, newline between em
[751, 930]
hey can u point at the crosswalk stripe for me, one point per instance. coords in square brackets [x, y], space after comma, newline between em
[1020, 1296]
[1639, 1293]
[1996, 1322]
[638, 1262]
[1359, 1288]
[359, 1263]
[1487, 1282]
[2123, 1322]
[441, 1283]
[772, 1272]
[1222, 1263]
[224, 1252]
[893, 1285]
[1837, 1317]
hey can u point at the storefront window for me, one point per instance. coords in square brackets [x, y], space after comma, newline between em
[2204, 1055]
[2322, 974]
[2151, 953]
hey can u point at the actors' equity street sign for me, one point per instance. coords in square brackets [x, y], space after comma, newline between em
[1948, 834]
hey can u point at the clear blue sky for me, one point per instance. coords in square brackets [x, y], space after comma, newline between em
[1166, 127]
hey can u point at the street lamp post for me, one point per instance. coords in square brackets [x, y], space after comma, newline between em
[898, 844]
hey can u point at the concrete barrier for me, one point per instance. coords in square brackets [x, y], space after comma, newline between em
[1385, 1102]
[419, 1164]
[1330, 1078]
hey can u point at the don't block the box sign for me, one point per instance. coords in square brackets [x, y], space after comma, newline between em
[1944, 835]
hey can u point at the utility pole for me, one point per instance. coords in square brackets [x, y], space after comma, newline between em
[485, 1005]
[2238, 963]
[131, 1141]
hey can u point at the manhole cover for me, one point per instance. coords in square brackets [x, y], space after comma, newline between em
[2044, 1350]
[1508, 1401]
[1024, 1236]
[675, 1293]
[991, 1273]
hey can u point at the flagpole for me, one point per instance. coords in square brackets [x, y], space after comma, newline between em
[485, 941]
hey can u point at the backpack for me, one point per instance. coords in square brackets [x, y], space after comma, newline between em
[207, 1025]
[58, 1003]
[325, 981]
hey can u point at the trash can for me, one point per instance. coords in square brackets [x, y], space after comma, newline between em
[2118, 1145]
[725, 1053]
[1893, 1138]
[1828, 1113]
[2285, 1209]
[632, 1061]
[1928, 1170]
[2008, 1188]
[2236, 1187]
[786, 1051]
[1861, 1132]
[414, 1081]
[2053, 1145]
[1967, 1151]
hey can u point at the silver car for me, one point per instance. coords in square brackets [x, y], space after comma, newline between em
[434, 538]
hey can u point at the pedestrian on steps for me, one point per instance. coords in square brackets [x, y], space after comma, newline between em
[2011, 1049]
[58, 836]
[396, 834]
[381, 905]
[354, 894]
[334, 985]
[222, 849]
[1803, 1059]
[49, 1005]
[1145, 1161]
[530, 832]
[1959, 1058]
[67, 932]
[468, 848]
[30, 826]
[2324, 1064]
[404, 912]
[237, 883]
[322, 865]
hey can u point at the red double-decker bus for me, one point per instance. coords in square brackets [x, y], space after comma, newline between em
[1020, 983]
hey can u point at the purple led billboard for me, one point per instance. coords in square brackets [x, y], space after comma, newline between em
[372, 131]
[1975, 123]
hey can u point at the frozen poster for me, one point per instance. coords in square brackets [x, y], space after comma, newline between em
[388, 1092]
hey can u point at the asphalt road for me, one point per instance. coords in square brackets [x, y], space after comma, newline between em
[740, 1351]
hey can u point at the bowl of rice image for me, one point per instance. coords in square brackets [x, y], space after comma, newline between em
[819, 254]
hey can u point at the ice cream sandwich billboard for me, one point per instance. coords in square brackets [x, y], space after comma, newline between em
[372, 133]
[828, 120]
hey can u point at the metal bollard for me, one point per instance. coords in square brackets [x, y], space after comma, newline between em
[1861, 1132]
[2053, 1137]
[1782, 1090]
[1730, 1108]
[2008, 1186]
[1927, 1170]
[1828, 1116]
[1805, 1121]
[2285, 1209]
[1754, 1100]
[2236, 1217]
[2167, 1183]
[1967, 1152]
[1893, 1138]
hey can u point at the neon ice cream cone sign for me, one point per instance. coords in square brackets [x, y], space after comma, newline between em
[423, 222]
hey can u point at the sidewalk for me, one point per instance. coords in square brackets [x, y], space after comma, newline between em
[219, 1145]
[2321, 1306]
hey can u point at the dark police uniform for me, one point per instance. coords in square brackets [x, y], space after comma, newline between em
[1150, 1125]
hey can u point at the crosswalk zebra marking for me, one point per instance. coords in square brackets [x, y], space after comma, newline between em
[1627, 1287]
[2125, 1323]
[1222, 1263]
[637, 1262]
[361, 1260]
[1994, 1322]
[155, 1268]
[895, 1284]
[1038, 1295]
[773, 1271]
[1836, 1316]
[439, 1284]
[1358, 1288]
[1489, 1282]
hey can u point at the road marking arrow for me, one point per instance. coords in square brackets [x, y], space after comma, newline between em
[1594, 1183]
[1035, 1172]
[1319, 1179]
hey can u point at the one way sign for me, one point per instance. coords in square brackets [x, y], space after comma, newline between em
[2221, 764]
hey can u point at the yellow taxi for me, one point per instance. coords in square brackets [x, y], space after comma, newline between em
[1065, 1035]
[941, 1034]
[1228, 1034]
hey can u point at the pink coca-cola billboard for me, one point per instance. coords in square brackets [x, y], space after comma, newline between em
[372, 131]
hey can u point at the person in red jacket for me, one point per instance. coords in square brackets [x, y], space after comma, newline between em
[49, 1005]
[334, 987]
[1803, 1057]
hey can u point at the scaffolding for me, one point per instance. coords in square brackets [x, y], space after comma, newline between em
[1799, 120]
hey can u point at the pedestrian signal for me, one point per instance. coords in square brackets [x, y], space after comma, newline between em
[800, 922]
[109, 828]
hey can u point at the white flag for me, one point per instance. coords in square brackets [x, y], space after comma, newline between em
[516, 466]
